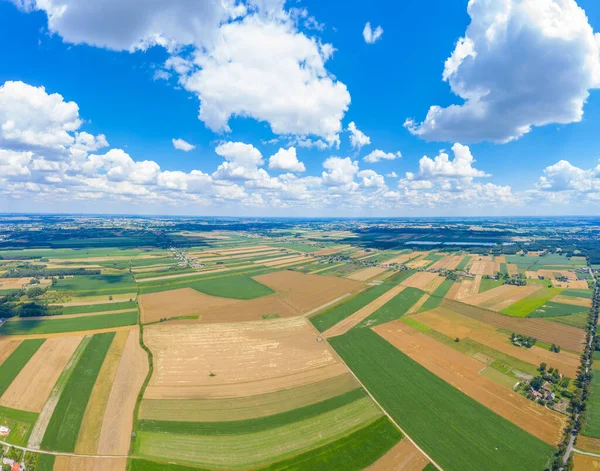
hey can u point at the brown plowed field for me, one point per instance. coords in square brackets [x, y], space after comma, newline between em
[115, 435]
[345, 325]
[275, 262]
[305, 292]
[31, 388]
[434, 284]
[500, 258]
[415, 307]
[468, 288]
[453, 291]
[450, 262]
[500, 297]
[7, 347]
[454, 325]
[588, 444]
[366, 273]
[567, 337]
[484, 267]
[402, 457]
[421, 279]
[238, 359]
[83, 463]
[586, 462]
[462, 372]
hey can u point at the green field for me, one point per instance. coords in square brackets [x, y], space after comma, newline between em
[455, 430]
[399, 277]
[574, 320]
[63, 428]
[591, 425]
[98, 308]
[527, 305]
[503, 269]
[74, 324]
[545, 262]
[13, 365]
[20, 424]
[551, 309]
[436, 298]
[339, 312]
[95, 285]
[45, 463]
[260, 448]
[351, 453]
[463, 263]
[394, 308]
[579, 293]
[71, 253]
[145, 465]
[236, 287]
[488, 284]
[240, 427]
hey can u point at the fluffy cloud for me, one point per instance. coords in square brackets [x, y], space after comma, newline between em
[339, 171]
[268, 71]
[286, 159]
[372, 35]
[378, 155]
[521, 63]
[120, 167]
[371, 179]
[357, 137]
[14, 164]
[241, 162]
[563, 176]
[441, 167]
[32, 118]
[180, 144]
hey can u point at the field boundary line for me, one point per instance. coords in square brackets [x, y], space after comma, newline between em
[406, 435]
[597, 455]
[322, 307]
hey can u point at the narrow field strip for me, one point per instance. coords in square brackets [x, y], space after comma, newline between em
[404, 456]
[48, 410]
[260, 424]
[448, 420]
[93, 322]
[63, 428]
[17, 360]
[437, 296]
[249, 450]
[246, 407]
[395, 308]
[69, 316]
[116, 306]
[7, 347]
[89, 433]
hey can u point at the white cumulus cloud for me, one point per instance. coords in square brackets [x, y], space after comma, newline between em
[521, 63]
[372, 35]
[286, 159]
[358, 138]
[378, 155]
[180, 144]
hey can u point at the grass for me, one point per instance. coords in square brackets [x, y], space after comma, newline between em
[399, 277]
[551, 309]
[75, 324]
[579, 293]
[86, 285]
[261, 448]
[45, 462]
[488, 284]
[98, 308]
[455, 430]
[463, 263]
[394, 308]
[574, 320]
[13, 365]
[591, 425]
[436, 298]
[339, 312]
[526, 306]
[351, 453]
[545, 262]
[63, 428]
[240, 427]
[20, 423]
[415, 324]
[145, 465]
[503, 269]
[235, 287]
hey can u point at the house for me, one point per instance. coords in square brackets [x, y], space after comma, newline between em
[4, 431]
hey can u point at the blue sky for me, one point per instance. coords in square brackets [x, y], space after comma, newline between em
[527, 143]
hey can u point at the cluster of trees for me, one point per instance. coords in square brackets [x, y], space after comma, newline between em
[522, 340]
[40, 271]
[25, 303]
[555, 348]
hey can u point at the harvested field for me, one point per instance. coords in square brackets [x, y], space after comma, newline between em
[360, 315]
[13, 283]
[586, 462]
[331, 250]
[501, 297]
[468, 288]
[453, 291]
[81, 463]
[512, 269]
[463, 373]
[415, 307]
[89, 433]
[243, 358]
[569, 338]
[306, 292]
[579, 284]
[572, 300]
[186, 275]
[282, 261]
[366, 273]
[31, 388]
[588, 444]
[7, 347]
[453, 324]
[248, 407]
[115, 435]
[483, 267]
[450, 262]
[70, 334]
[403, 457]
[500, 259]
[420, 262]
[422, 279]
[434, 284]
[402, 258]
